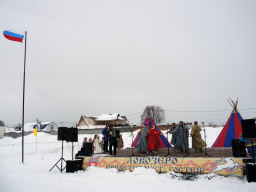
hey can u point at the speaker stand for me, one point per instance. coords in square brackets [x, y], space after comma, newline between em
[188, 153]
[61, 168]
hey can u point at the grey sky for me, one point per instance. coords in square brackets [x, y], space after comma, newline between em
[97, 57]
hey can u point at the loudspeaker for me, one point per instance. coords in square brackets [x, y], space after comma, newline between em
[251, 173]
[74, 165]
[238, 148]
[79, 153]
[80, 164]
[87, 149]
[72, 135]
[62, 133]
[249, 128]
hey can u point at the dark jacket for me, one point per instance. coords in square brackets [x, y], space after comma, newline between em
[113, 135]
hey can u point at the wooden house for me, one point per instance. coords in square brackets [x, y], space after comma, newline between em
[86, 122]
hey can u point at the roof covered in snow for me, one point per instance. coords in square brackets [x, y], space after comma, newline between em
[110, 117]
[31, 126]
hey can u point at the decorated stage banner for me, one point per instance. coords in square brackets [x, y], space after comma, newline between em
[222, 166]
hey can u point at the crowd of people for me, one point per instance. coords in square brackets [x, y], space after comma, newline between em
[149, 140]
[180, 137]
[111, 141]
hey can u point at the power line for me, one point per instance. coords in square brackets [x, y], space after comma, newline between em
[212, 111]
[134, 114]
[208, 111]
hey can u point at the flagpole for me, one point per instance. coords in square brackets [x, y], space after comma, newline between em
[23, 104]
[36, 142]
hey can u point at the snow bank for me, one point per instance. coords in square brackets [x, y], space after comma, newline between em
[34, 174]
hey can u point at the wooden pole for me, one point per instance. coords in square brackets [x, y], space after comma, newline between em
[36, 142]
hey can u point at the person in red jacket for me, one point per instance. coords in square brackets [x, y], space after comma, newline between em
[153, 137]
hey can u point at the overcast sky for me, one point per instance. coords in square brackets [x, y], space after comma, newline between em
[96, 57]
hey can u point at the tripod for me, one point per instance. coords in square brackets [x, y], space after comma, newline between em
[168, 153]
[205, 141]
[60, 160]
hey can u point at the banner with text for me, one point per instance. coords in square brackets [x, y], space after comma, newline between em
[222, 166]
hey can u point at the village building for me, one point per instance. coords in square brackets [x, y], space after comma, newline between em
[86, 122]
[41, 126]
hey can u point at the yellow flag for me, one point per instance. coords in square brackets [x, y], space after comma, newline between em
[35, 131]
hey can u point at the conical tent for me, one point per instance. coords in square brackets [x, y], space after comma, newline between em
[232, 129]
[149, 123]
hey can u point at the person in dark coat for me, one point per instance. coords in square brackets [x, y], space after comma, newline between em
[84, 141]
[120, 142]
[143, 145]
[174, 136]
[113, 135]
[181, 132]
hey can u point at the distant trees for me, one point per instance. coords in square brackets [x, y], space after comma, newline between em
[156, 113]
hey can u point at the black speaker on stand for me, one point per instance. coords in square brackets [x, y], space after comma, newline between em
[62, 133]
[249, 128]
[62, 137]
[249, 132]
[72, 136]
[238, 148]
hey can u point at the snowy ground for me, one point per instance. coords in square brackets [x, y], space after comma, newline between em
[34, 174]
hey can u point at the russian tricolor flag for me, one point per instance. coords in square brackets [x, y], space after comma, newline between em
[13, 36]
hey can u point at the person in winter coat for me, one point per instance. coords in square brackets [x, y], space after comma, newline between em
[153, 137]
[120, 142]
[96, 144]
[105, 139]
[84, 141]
[113, 135]
[197, 141]
[174, 136]
[181, 132]
[143, 143]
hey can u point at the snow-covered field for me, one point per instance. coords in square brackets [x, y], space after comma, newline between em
[34, 174]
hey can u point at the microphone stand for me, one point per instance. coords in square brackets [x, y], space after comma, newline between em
[188, 153]
[168, 153]
[205, 141]
[132, 143]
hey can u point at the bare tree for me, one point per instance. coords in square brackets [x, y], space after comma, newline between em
[155, 112]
